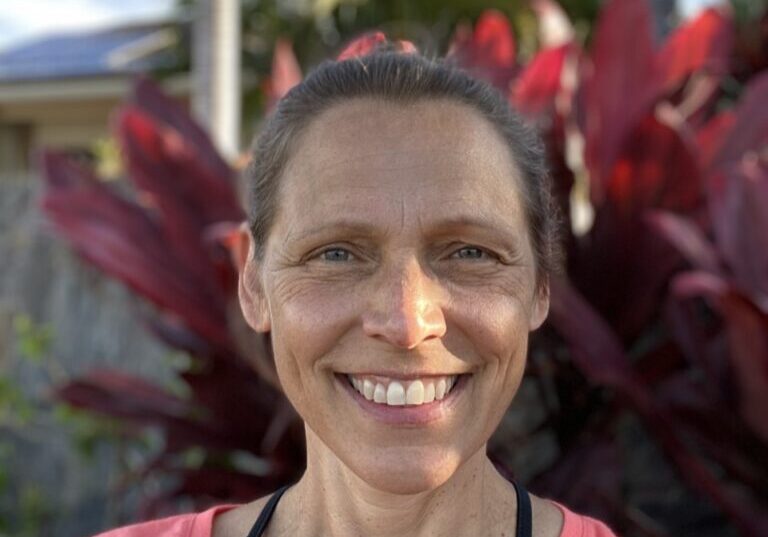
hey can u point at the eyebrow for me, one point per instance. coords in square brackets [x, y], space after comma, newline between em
[506, 239]
[442, 227]
[348, 226]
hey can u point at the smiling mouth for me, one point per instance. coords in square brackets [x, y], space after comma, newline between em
[393, 407]
[391, 392]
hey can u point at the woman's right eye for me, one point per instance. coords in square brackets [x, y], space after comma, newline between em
[336, 255]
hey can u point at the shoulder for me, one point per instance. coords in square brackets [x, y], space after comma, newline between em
[575, 525]
[547, 518]
[187, 525]
[238, 521]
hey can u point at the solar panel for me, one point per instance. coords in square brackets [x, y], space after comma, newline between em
[85, 54]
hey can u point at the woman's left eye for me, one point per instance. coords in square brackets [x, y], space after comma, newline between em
[471, 252]
[336, 255]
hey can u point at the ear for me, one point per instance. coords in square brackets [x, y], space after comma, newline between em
[250, 290]
[540, 306]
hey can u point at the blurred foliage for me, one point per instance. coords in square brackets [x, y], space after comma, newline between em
[26, 508]
[15, 409]
[88, 431]
[33, 340]
[32, 510]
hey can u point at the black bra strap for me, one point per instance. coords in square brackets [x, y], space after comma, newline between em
[266, 513]
[524, 516]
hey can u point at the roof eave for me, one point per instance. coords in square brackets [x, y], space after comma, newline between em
[81, 88]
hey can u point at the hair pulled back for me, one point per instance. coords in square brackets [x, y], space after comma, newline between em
[401, 78]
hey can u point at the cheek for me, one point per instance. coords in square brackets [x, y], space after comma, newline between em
[495, 323]
[308, 322]
[493, 328]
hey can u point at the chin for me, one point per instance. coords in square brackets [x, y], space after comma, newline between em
[407, 470]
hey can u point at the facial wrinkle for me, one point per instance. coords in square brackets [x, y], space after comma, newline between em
[402, 214]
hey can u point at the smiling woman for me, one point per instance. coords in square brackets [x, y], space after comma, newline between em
[399, 251]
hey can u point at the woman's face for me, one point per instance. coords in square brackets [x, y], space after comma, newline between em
[398, 270]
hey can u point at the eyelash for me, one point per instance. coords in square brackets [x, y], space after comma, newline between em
[480, 250]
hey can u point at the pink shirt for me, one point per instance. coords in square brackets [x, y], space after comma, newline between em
[201, 525]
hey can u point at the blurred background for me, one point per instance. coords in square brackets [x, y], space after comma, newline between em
[129, 385]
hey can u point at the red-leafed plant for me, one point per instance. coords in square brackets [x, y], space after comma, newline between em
[663, 316]
[167, 243]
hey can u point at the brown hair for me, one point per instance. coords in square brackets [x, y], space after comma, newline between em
[401, 78]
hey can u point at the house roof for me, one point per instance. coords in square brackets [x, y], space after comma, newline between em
[127, 49]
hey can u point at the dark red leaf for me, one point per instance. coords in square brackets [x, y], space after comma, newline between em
[153, 102]
[220, 241]
[699, 343]
[687, 238]
[187, 197]
[363, 45]
[747, 330]
[174, 333]
[285, 73]
[703, 44]
[738, 201]
[594, 349]
[711, 136]
[750, 127]
[119, 393]
[620, 262]
[249, 413]
[620, 86]
[489, 51]
[584, 478]
[167, 167]
[656, 169]
[598, 353]
[142, 404]
[727, 439]
[117, 236]
[535, 89]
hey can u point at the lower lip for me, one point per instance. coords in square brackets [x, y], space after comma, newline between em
[407, 415]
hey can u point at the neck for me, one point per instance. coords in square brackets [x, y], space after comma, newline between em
[334, 501]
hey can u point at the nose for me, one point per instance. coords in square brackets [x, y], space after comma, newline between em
[405, 308]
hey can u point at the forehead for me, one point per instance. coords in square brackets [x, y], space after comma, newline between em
[427, 157]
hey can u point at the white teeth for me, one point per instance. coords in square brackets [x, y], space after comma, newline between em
[379, 394]
[395, 394]
[429, 392]
[415, 393]
[440, 388]
[399, 393]
[367, 389]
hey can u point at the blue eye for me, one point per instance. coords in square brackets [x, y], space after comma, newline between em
[471, 252]
[336, 255]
